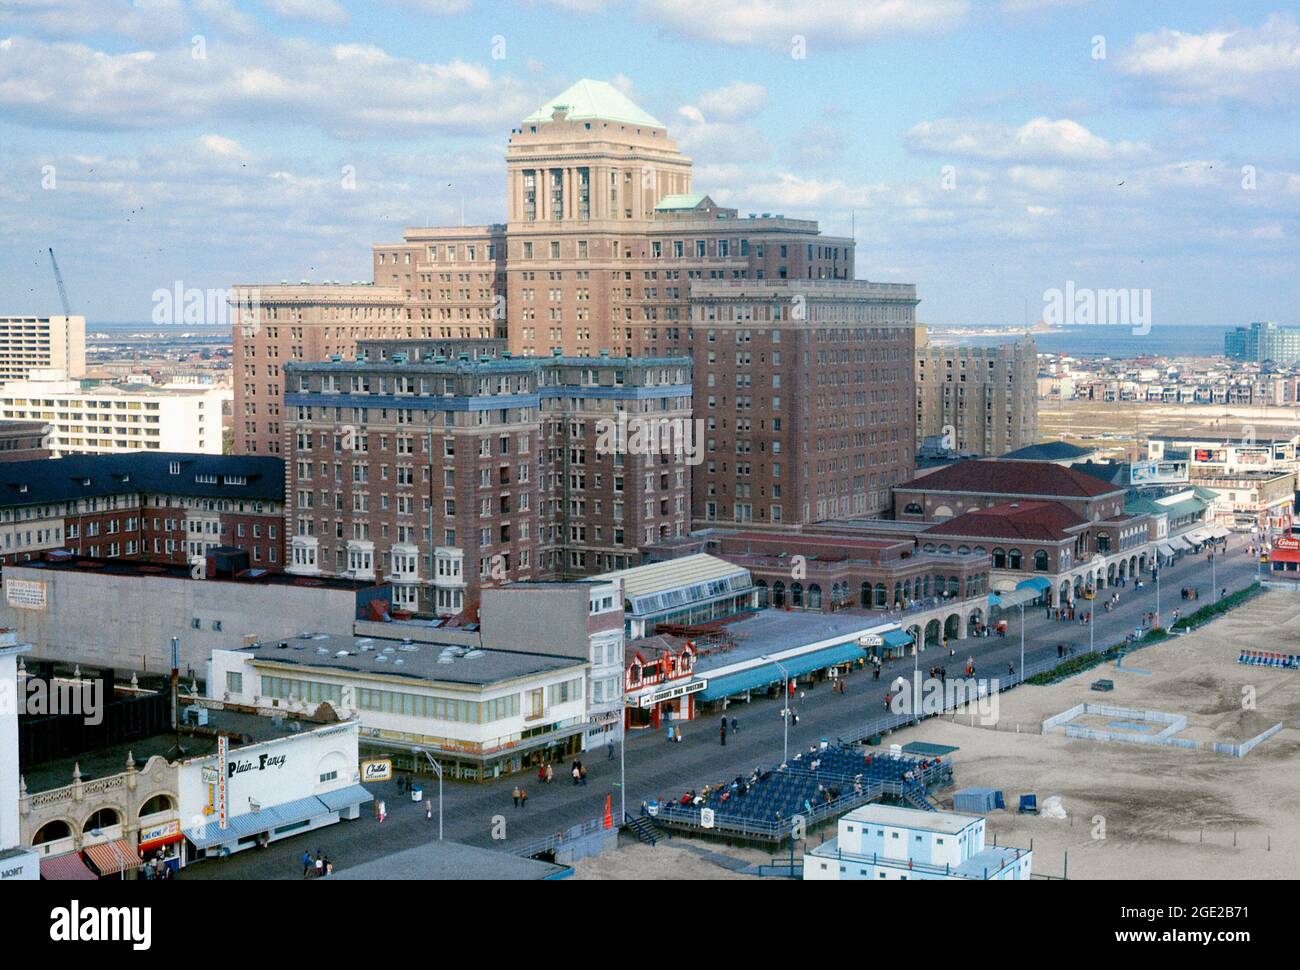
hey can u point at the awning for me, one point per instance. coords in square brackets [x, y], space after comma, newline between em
[66, 868]
[1165, 549]
[1037, 583]
[769, 673]
[1219, 532]
[1015, 598]
[1179, 543]
[338, 800]
[897, 638]
[268, 820]
[110, 858]
[1197, 537]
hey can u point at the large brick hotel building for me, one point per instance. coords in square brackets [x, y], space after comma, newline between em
[802, 376]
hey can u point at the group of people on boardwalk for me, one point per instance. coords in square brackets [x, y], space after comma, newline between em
[315, 868]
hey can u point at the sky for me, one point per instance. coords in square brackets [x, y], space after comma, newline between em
[989, 151]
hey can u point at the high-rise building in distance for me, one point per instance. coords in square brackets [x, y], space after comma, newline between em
[978, 400]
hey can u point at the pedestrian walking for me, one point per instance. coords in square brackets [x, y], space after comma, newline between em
[735, 726]
[306, 863]
[319, 866]
[576, 773]
[515, 795]
[582, 772]
[383, 810]
[722, 732]
[550, 773]
[523, 797]
[329, 868]
[428, 809]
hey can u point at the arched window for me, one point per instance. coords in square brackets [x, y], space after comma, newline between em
[1013, 559]
[814, 597]
[52, 832]
[1040, 561]
[866, 596]
[761, 587]
[945, 550]
[912, 508]
[881, 593]
[102, 819]
[778, 593]
[999, 559]
[796, 594]
[159, 803]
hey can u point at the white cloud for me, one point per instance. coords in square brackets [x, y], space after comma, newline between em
[1251, 65]
[732, 102]
[773, 23]
[1040, 140]
[1031, 6]
[140, 20]
[318, 11]
[347, 90]
[439, 8]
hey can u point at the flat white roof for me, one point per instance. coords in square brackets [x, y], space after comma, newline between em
[948, 823]
[657, 577]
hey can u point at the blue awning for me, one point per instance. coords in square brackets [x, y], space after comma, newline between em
[768, 673]
[254, 823]
[897, 638]
[995, 599]
[341, 798]
[1038, 583]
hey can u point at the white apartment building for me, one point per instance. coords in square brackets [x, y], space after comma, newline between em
[41, 343]
[89, 419]
[479, 713]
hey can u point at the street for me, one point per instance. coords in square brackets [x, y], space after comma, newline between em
[656, 768]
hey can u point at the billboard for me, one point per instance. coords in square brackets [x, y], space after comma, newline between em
[1158, 473]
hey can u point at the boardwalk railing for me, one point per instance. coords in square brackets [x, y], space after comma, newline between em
[553, 842]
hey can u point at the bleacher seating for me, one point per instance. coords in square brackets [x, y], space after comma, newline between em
[809, 779]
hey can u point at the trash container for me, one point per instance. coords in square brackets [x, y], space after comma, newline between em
[417, 794]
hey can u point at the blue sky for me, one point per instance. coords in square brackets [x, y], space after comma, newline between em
[986, 150]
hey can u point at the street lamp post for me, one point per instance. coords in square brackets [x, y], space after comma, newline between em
[785, 711]
[1022, 641]
[437, 770]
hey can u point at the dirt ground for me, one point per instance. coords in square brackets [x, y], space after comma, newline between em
[666, 861]
[1164, 812]
[1115, 428]
[1134, 812]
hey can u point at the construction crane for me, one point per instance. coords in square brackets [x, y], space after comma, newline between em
[58, 278]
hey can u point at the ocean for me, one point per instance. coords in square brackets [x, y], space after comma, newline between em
[1172, 340]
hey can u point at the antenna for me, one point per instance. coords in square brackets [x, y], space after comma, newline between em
[58, 278]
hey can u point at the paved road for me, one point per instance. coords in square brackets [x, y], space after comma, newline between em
[656, 769]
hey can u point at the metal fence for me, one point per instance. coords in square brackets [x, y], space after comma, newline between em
[551, 843]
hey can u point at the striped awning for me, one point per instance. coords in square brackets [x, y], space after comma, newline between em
[110, 858]
[66, 868]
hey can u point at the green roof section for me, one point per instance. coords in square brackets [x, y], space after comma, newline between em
[691, 201]
[589, 100]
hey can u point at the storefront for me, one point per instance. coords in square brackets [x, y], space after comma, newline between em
[160, 840]
[251, 796]
[674, 702]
